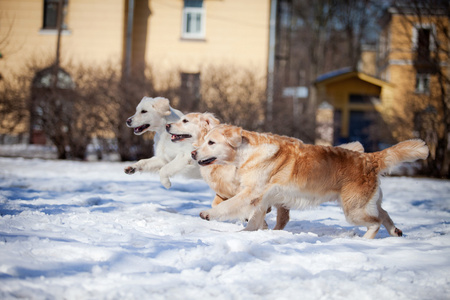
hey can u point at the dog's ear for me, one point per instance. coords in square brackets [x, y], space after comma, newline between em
[162, 106]
[210, 120]
[233, 136]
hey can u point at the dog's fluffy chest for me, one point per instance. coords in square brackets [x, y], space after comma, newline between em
[223, 179]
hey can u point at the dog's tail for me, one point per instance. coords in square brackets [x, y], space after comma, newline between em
[407, 151]
[354, 146]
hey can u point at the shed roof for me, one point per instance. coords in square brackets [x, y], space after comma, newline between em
[346, 73]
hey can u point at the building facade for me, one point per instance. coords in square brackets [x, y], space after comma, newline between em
[396, 93]
[166, 34]
[170, 36]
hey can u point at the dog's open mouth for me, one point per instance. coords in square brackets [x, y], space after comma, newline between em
[179, 137]
[141, 129]
[206, 162]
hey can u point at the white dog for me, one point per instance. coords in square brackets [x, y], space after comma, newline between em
[153, 114]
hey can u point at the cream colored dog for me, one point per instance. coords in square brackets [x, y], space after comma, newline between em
[282, 171]
[153, 114]
[223, 179]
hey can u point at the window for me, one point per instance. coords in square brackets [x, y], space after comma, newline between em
[193, 20]
[51, 8]
[423, 41]
[422, 83]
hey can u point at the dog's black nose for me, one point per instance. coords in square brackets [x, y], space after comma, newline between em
[194, 155]
[129, 121]
[167, 127]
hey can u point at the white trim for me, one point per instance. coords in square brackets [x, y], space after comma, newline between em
[195, 11]
[415, 36]
[400, 62]
[408, 62]
[54, 32]
[423, 88]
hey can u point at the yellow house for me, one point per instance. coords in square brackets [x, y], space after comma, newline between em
[189, 34]
[93, 32]
[166, 34]
[412, 51]
[381, 101]
[171, 36]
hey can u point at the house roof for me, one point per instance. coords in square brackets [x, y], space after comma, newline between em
[346, 73]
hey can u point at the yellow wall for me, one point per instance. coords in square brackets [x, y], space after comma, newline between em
[368, 62]
[400, 101]
[236, 33]
[401, 34]
[95, 33]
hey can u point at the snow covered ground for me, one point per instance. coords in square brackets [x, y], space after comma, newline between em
[86, 230]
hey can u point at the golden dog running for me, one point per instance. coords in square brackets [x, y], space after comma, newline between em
[223, 179]
[282, 171]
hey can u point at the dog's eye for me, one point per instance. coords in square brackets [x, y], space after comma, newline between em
[143, 111]
[185, 121]
[211, 143]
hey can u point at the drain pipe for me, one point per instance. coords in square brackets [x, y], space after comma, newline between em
[129, 38]
[271, 64]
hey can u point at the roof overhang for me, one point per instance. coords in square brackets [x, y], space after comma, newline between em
[344, 74]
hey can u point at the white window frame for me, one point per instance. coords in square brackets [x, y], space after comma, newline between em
[193, 11]
[420, 87]
[415, 35]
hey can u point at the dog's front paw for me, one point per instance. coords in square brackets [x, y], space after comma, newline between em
[205, 215]
[130, 170]
[166, 183]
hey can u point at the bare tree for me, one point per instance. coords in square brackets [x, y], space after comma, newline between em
[13, 112]
[7, 25]
[234, 94]
[65, 111]
[315, 37]
[356, 19]
[303, 31]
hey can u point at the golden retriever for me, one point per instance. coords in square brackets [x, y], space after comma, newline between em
[281, 171]
[153, 114]
[223, 179]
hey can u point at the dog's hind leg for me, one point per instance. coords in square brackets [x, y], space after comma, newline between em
[363, 211]
[389, 224]
[372, 231]
[282, 217]
[387, 221]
